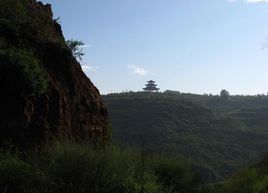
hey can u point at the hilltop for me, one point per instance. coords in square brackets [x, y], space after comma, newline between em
[216, 134]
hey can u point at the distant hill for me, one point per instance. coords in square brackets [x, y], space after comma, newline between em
[217, 134]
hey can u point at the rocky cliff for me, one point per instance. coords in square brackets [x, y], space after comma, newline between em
[44, 92]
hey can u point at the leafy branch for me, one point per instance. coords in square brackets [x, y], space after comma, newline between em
[76, 47]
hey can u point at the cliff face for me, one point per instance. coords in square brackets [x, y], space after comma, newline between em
[44, 91]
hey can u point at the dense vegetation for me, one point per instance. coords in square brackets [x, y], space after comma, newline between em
[219, 134]
[253, 179]
[31, 76]
[21, 29]
[71, 167]
[19, 20]
[78, 168]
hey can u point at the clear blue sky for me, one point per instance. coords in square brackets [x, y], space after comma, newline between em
[198, 46]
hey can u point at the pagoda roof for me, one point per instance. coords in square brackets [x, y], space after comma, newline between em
[150, 85]
[150, 88]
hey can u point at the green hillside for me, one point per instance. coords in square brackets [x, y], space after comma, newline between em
[217, 134]
[252, 179]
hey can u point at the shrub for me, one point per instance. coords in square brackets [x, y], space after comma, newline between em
[76, 48]
[17, 176]
[30, 75]
[26, 20]
[176, 175]
[91, 170]
[80, 168]
[261, 186]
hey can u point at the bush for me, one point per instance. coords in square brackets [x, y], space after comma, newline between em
[176, 175]
[80, 168]
[96, 170]
[29, 74]
[249, 180]
[27, 20]
[17, 176]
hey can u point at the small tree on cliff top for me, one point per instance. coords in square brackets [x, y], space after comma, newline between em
[76, 47]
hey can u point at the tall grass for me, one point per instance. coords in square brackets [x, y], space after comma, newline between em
[80, 168]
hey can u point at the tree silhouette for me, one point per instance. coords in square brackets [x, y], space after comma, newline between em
[76, 47]
[224, 94]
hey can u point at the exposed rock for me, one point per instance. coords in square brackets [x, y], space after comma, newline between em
[44, 91]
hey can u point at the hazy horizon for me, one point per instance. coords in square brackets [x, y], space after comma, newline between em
[188, 46]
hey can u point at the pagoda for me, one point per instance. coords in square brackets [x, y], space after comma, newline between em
[151, 86]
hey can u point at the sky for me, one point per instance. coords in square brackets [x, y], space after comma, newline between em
[196, 46]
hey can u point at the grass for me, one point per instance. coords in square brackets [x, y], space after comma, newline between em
[81, 168]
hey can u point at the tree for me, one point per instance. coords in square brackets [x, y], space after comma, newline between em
[76, 47]
[224, 94]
